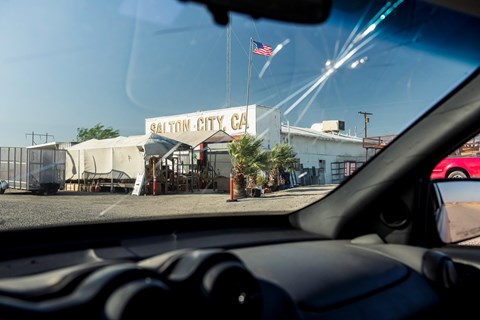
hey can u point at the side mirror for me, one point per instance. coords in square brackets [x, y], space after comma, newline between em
[457, 210]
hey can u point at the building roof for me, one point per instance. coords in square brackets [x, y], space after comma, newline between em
[292, 130]
[53, 145]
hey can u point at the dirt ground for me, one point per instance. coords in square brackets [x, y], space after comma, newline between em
[19, 209]
[464, 221]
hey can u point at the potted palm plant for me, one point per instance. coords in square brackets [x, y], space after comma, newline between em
[282, 158]
[248, 159]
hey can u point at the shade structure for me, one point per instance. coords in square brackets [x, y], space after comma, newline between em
[116, 158]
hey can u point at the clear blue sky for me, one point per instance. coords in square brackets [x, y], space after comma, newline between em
[70, 64]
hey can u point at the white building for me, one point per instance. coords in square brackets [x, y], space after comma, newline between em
[324, 157]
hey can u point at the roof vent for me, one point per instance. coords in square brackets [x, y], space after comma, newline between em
[334, 126]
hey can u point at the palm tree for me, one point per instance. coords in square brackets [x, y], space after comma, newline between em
[247, 159]
[282, 159]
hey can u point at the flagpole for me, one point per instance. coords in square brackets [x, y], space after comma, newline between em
[228, 67]
[248, 81]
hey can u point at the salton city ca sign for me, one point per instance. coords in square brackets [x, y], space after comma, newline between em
[228, 120]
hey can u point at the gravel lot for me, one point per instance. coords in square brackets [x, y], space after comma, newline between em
[20, 209]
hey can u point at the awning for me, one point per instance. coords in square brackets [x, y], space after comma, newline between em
[195, 138]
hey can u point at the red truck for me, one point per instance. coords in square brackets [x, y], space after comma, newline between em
[457, 167]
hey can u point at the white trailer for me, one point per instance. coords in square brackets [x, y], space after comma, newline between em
[41, 171]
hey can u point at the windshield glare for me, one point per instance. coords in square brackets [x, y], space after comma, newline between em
[136, 109]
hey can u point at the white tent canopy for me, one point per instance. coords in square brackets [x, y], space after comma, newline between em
[194, 139]
[116, 158]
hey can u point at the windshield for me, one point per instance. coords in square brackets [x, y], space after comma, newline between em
[129, 109]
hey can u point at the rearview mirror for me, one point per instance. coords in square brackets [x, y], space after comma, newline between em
[298, 11]
[458, 209]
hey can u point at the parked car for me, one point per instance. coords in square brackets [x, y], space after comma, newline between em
[457, 167]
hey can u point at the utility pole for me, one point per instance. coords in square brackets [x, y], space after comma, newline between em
[33, 134]
[365, 122]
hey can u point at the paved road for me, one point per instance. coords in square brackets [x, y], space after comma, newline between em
[22, 209]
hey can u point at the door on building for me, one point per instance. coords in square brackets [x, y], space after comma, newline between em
[321, 171]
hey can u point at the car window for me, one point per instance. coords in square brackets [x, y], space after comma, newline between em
[127, 109]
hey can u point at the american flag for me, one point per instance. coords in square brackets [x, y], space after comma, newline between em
[262, 49]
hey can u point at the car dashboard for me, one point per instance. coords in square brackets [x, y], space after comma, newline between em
[290, 274]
